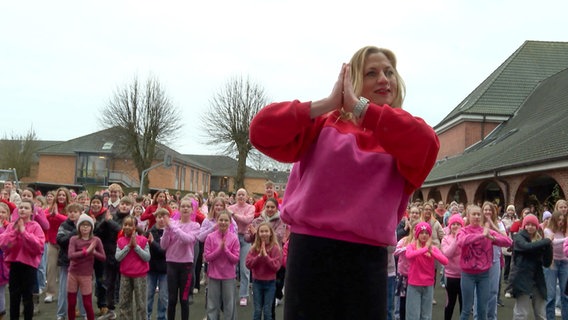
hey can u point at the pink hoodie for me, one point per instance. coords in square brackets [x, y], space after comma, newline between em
[477, 250]
[422, 266]
[222, 260]
[25, 247]
[179, 240]
[451, 250]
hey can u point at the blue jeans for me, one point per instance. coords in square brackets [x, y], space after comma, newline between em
[263, 294]
[419, 302]
[391, 282]
[159, 280]
[42, 268]
[244, 273]
[557, 273]
[478, 283]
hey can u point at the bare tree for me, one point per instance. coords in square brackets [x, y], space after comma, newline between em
[143, 116]
[18, 152]
[226, 123]
[259, 161]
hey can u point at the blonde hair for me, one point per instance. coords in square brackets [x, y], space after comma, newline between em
[493, 210]
[357, 72]
[272, 241]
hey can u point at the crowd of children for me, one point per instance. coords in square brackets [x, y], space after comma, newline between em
[137, 250]
[127, 250]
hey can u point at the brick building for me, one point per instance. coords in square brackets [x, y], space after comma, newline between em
[96, 160]
[507, 141]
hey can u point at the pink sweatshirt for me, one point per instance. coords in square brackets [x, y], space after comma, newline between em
[179, 241]
[557, 244]
[452, 251]
[133, 262]
[25, 247]
[422, 265]
[477, 250]
[243, 215]
[384, 159]
[400, 251]
[264, 267]
[222, 260]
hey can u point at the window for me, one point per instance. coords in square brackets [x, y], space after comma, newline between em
[92, 169]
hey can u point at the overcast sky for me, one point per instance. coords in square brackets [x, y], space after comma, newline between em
[61, 61]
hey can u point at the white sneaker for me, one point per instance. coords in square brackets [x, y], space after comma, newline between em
[195, 291]
[558, 312]
[508, 295]
[48, 299]
[277, 302]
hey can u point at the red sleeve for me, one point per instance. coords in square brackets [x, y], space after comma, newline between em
[284, 131]
[11, 205]
[411, 141]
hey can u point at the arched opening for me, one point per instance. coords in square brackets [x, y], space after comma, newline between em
[490, 191]
[434, 194]
[539, 192]
[457, 194]
[417, 196]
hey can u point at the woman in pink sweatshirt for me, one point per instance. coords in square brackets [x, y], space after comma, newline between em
[476, 242]
[421, 254]
[222, 253]
[453, 270]
[22, 244]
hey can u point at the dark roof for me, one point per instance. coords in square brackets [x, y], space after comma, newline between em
[103, 141]
[221, 165]
[277, 176]
[507, 87]
[106, 142]
[536, 134]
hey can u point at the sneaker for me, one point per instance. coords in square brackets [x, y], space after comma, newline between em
[48, 299]
[243, 302]
[60, 318]
[500, 303]
[195, 291]
[558, 312]
[110, 315]
[277, 302]
[508, 295]
[103, 311]
[434, 301]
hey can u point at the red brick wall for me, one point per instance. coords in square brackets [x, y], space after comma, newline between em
[56, 169]
[455, 140]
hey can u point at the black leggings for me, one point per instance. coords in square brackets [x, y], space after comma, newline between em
[453, 292]
[179, 287]
[21, 285]
[332, 279]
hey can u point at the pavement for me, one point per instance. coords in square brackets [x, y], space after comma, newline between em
[197, 309]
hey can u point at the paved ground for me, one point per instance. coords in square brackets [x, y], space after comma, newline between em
[197, 311]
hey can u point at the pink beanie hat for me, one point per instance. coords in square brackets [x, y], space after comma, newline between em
[530, 218]
[422, 226]
[455, 218]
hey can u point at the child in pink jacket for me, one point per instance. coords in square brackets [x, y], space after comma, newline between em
[264, 259]
[22, 244]
[453, 270]
[421, 255]
[222, 253]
